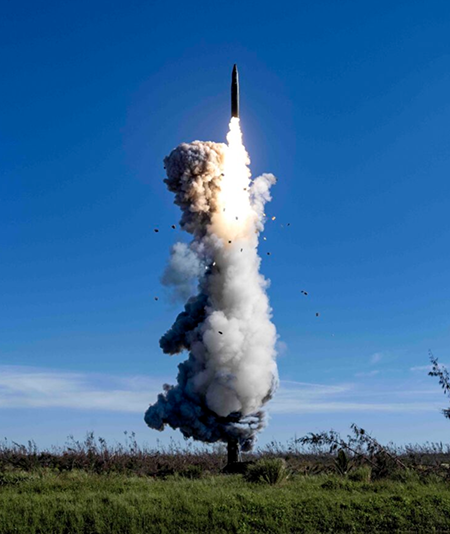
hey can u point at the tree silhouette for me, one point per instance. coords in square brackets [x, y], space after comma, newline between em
[442, 373]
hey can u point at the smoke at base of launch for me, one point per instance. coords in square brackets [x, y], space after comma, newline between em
[230, 372]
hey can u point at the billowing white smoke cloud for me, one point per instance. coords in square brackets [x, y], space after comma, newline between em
[185, 267]
[231, 371]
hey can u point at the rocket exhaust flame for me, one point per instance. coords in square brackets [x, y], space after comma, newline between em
[230, 372]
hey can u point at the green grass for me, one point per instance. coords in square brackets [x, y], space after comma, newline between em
[80, 502]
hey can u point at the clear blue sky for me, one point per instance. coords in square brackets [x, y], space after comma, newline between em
[347, 103]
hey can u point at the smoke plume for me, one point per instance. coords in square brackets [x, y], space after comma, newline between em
[230, 372]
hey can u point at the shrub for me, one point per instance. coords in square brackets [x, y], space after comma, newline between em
[15, 477]
[269, 470]
[192, 471]
[315, 454]
[405, 476]
[360, 474]
[332, 484]
[342, 463]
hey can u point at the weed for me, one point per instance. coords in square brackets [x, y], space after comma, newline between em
[270, 470]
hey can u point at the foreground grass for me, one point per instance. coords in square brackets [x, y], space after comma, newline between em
[80, 502]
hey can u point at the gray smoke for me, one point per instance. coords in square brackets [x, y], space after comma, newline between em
[230, 372]
[185, 267]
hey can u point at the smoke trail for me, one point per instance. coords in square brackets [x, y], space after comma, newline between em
[231, 371]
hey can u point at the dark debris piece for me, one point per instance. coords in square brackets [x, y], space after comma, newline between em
[221, 333]
[156, 230]
[173, 227]
[156, 298]
[317, 314]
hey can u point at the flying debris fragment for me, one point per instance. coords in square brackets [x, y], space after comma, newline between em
[221, 333]
[173, 227]
[156, 298]
[156, 230]
[304, 293]
[317, 314]
[273, 218]
[268, 253]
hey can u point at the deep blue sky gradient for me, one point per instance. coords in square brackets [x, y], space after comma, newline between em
[347, 103]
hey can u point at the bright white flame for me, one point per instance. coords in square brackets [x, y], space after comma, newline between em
[234, 208]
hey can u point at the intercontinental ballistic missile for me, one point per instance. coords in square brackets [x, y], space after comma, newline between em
[235, 93]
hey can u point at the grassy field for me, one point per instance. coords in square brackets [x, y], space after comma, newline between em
[320, 483]
[44, 501]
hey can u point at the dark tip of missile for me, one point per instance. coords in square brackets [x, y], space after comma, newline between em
[235, 92]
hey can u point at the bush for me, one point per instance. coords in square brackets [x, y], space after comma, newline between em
[270, 470]
[360, 474]
[333, 484]
[192, 471]
[12, 478]
[317, 454]
[404, 476]
[342, 463]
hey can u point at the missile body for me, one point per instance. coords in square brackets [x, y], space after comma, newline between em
[235, 93]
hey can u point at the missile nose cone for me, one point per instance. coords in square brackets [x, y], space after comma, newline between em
[235, 92]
